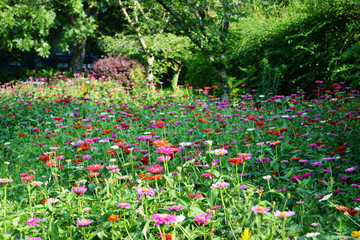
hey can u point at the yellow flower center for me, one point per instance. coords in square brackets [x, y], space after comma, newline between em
[283, 214]
[259, 208]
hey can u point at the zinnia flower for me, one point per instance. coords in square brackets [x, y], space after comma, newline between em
[144, 190]
[94, 167]
[174, 208]
[284, 214]
[83, 222]
[202, 219]
[79, 190]
[5, 180]
[113, 217]
[154, 169]
[123, 205]
[32, 222]
[259, 209]
[163, 218]
[220, 185]
[220, 151]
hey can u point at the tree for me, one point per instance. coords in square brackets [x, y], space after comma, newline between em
[206, 23]
[141, 24]
[28, 24]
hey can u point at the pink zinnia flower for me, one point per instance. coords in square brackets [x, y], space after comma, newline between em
[123, 205]
[259, 209]
[79, 190]
[32, 222]
[163, 218]
[83, 222]
[220, 185]
[5, 180]
[208, 175]
[164, 150]
[202, 219]
[284, 214]
[220, 151]
[174, 208]
[246, 156]
[144, 190]
[161, 158]
[111, 167]
[154, 169]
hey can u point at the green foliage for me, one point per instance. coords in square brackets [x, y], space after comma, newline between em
[200, 72]
[307, 41]
[170, 50]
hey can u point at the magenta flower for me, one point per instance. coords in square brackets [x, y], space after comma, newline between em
[161, 158]
[83, 222]
[284, 214]
[295, 178]
[124, 205]
[144, 191]
[32, 222]
[79, 190]
[202, 219]
[164, 150]
[174, 208]
[207, 175]
[163, 218]
[220, 185]
[259, 209]
[154, 169]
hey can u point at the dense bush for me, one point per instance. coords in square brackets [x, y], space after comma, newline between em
[306, 41]
[118, 68]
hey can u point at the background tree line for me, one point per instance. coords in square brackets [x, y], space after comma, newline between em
[275, 46]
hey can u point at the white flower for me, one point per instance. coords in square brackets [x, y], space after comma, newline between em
[326, 197]
[267, 177]
[180, 218]
[7, 163]
[312, 234]
[114, 147]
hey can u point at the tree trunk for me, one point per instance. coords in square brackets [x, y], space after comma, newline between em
[78, 56]
[175, 78]
[224, 87]
[149, 71]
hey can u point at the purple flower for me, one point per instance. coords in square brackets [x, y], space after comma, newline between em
[350, 169]
[315, 164]
[32, 222]
[264, 160]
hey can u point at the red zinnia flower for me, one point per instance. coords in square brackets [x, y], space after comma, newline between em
[94, 167]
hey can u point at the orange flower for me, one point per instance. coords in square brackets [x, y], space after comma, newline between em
[113, 217]
[161, 143]
[235, 161]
